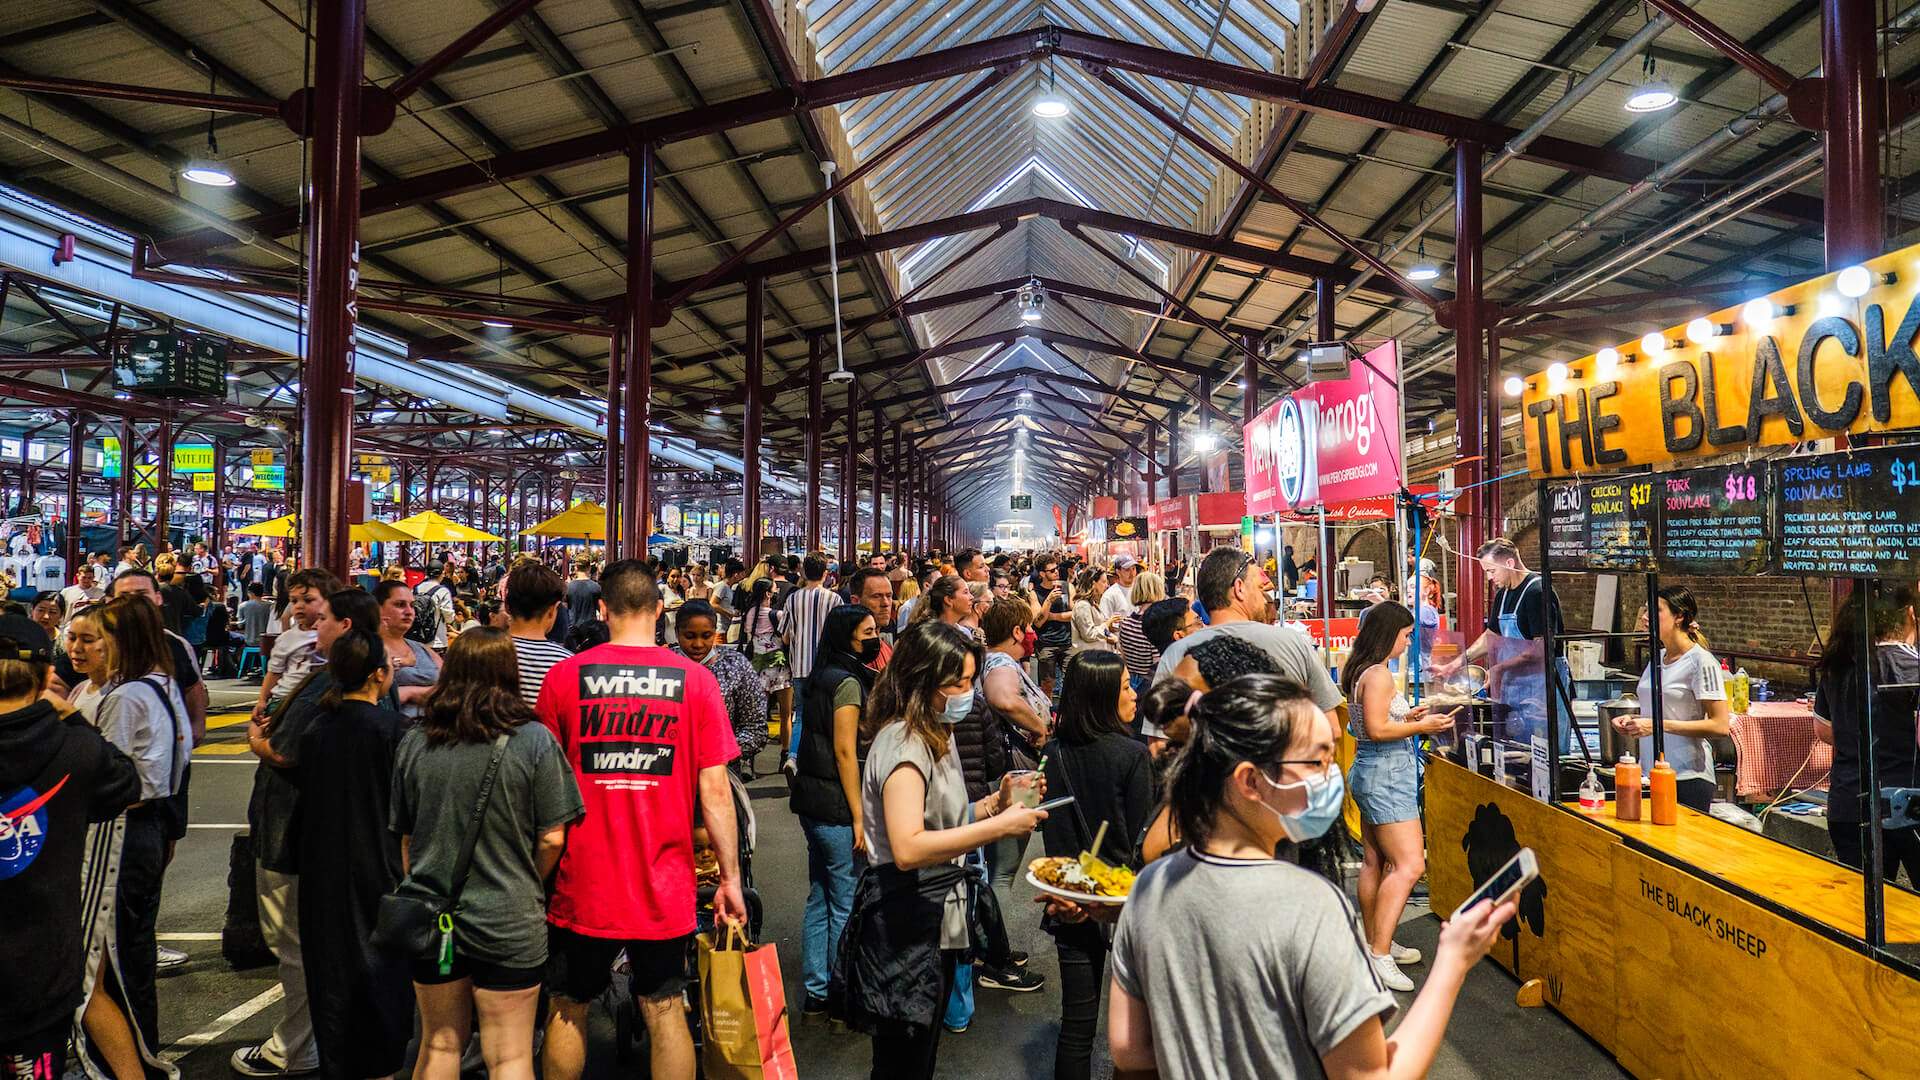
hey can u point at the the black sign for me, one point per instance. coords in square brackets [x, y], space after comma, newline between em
[171, 365]
[1566, 519]
[1714, 521]
[1022, 502]
[1851, 514]
[1620, 517]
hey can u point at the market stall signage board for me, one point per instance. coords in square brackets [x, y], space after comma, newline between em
[1715, 521]
[1821, 364]
[193, 458]
[270, 477]
[1620, 514]
[1328, 442]
[1566, 525]
[1020, 502]
[203, 481]
[1851, 514]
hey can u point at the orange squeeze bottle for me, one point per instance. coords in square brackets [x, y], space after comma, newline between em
[1626, 789]
[1664, 785]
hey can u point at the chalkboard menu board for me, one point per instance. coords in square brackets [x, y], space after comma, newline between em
[1566, 525]
[1852, 514]
[1620, 517]
[1714, 521]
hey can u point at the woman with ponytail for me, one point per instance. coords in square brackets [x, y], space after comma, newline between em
[359, 995]
[1228, 962]
[1693, 699]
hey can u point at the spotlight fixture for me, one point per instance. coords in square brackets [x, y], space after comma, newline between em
[1556, 374]
[1758, 313]
[1422, 269]
[1651, 96]
[1050, 105]
[1513, 386]
[208, 172]
[1606, 362]
[1204, 442]
[840, 375]
[1701, 331]
[1032, 300]
[1853, 282]
[1654, 343]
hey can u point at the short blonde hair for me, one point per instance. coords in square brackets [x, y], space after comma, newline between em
[1147, 588]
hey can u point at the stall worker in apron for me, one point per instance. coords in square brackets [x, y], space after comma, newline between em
[1513, 642]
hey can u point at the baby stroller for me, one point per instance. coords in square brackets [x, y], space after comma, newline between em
[629, 1032]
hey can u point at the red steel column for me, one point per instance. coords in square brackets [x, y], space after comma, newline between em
[123, 492]
[879, 426]
[893, 482]
[811, 435]
[1324, 306]
[76, 457]
[1855, 217]
[1205, 457]
[636, 485]
[1153, 465]
[613, 452]
[750, 529]
[333, 237]
[216, 536]
[1173, 456]
[1470, 379]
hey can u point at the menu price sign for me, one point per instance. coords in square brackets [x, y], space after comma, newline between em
[1620, 517]
[1714, 521]
[1852, 514]
[1566, 525]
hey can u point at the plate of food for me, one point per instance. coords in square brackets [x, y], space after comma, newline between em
[1084, 880]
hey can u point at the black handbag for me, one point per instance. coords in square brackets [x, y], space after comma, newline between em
[412, 920]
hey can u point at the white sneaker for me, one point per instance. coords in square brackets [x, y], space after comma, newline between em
[168, 960]
[1403, 955]
[1390, 974]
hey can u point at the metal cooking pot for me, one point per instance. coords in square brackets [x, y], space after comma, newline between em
[1612, 743]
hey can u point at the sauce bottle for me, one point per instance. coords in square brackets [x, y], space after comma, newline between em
[1593, 797]
[1664, 784]
[1626, 789]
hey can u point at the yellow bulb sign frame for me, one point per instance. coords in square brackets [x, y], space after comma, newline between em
[1823, 364]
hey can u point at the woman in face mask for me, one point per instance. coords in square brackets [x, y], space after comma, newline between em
[916, 911]
[826, 789]
[1230, 963]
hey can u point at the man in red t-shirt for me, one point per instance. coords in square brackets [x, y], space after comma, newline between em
[647, 734]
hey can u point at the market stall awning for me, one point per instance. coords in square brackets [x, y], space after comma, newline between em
[438, 529]
[375, 532]
[280, 528]
[583, 521]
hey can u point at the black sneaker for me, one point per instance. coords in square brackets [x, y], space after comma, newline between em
[253, 1061]
[1014, 981]
[1018, 958]
[813, 1010]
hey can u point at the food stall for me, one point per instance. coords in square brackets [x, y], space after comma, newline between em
[1632, 926]
[1184, 528]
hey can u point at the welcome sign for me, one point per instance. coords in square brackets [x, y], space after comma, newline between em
[1329, 442]
[1832, 355]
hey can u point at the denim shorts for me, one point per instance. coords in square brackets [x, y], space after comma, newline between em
[1386, 782]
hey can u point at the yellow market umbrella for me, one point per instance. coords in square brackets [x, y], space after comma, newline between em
[369, 531]
[282, 528]
[437, 529]
[585, 520]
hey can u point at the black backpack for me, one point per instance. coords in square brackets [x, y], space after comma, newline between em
[426, 614]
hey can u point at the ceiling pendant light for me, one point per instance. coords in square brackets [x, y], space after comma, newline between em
[1651, 95]
[1032, 301]
[208, 170]
[1423, 269]
[1050, 105]
[499, 291]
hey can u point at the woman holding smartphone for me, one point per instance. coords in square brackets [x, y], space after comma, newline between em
[1386, 784]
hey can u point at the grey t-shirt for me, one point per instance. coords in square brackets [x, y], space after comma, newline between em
[1688, 680]
[894, 747]
[1247, 967]
[1291, 651]
[503, 912]
[253, 620]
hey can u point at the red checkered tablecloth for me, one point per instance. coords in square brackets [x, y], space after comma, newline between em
[1774, 741]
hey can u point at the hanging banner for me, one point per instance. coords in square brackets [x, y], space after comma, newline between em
[1059, 521]
[193, 458]
[1328, 442]
[1170, 514]
[270, 477]
[146, 475]
[203, 481]
[261, 458]
[1831, 355]
[110, 457]
[379, 474]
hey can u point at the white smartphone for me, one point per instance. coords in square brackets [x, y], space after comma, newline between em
[1506, 882]
[1055, 804]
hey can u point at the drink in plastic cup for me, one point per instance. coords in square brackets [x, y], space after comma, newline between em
[1026, 787]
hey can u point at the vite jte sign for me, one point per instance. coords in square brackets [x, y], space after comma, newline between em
[1831, 355]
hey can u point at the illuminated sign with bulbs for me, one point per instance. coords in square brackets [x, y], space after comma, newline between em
[1831, 355]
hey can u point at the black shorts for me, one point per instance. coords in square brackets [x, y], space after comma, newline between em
[40, 1055]
[580, 968]
[486, 975]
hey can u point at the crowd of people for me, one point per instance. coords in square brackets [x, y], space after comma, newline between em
[480, 792]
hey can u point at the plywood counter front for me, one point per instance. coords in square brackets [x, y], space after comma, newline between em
[1692, 950]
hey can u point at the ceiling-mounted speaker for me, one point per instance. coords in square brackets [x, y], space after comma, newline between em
[1327, 362]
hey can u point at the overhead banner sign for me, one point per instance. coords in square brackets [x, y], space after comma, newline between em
[203, 481]
[261, 457]
[193, 458]
[270, 477]
[1831, 355]
[1328, 442]
[110, 457]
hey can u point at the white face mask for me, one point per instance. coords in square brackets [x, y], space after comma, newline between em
[957, 708]
[1325, 792]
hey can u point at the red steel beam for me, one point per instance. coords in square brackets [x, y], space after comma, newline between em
[405, 86]
[155, 95]
[1726, 44]
[1016, 47]
[853, 176]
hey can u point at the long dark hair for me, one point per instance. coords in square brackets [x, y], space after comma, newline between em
[478, 695]
[756, 600]
[925, 658]
[1846, 649]
[1251, 718]
[1090, 697]
[836, 641]
[354, 659]
[1374, 643]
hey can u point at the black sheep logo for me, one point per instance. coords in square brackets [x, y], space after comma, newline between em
[1490, 842]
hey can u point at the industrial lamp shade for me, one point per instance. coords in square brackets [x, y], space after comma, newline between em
[1654, 95]
[209, 172]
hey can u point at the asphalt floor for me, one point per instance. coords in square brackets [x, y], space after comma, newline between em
[209, 1010]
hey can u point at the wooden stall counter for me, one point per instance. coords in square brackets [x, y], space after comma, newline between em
[1692, 950]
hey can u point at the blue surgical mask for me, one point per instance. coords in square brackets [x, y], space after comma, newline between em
[957, 708]
[1325, 793]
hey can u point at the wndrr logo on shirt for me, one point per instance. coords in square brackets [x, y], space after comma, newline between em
[632, 758]
[621, 681]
